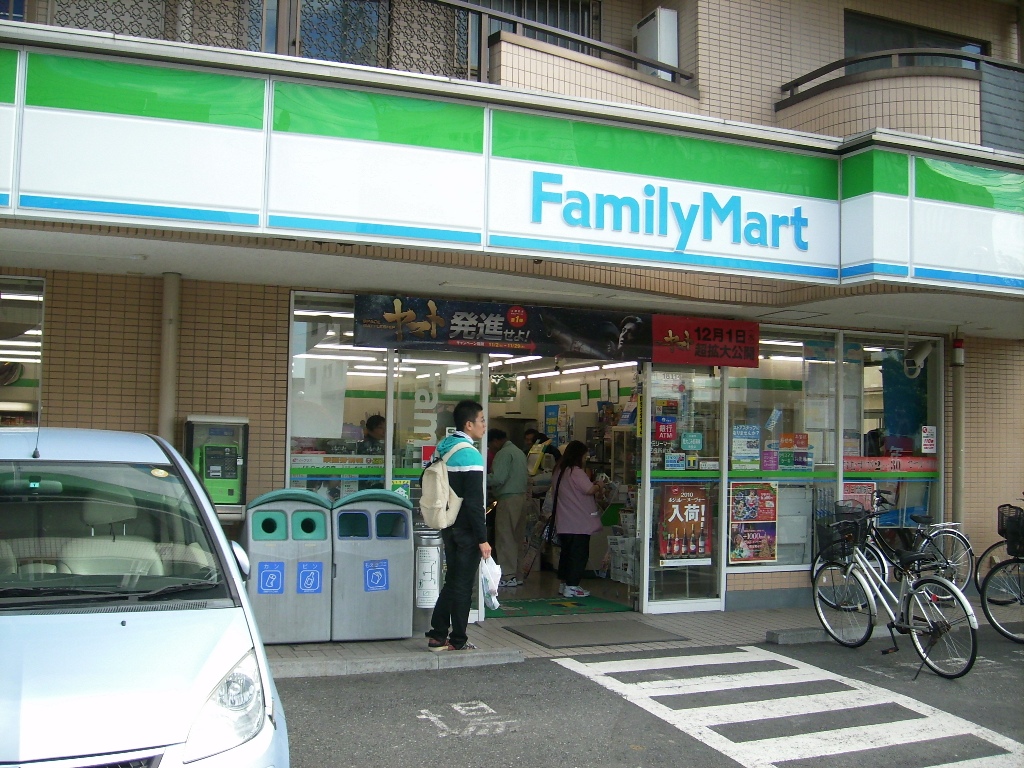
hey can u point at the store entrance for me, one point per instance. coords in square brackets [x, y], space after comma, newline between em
[544, 405]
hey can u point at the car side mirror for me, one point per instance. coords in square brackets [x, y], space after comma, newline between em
[241, 558]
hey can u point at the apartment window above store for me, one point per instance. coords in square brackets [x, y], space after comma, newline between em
[12, 10]
[866, 34]
[21, 346]
[581, 17]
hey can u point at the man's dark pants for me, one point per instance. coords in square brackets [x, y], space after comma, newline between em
[462, 556]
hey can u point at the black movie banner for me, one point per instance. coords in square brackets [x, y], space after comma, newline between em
[440, 324]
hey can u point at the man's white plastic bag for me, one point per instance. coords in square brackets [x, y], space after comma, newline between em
[490, 576]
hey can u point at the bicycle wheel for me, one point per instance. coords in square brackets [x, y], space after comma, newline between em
[953, 550]
[940, 621]
[1002, 599]
[988, 559]
[843, 605]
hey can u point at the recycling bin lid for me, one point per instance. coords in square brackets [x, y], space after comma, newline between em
[373, 494]
[290, 494]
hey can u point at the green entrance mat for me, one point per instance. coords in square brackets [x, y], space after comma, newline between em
[555, 606]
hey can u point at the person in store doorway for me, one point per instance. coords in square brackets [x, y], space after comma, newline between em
[506, 482]
[465, 542]
[577, 517]
[539, 445]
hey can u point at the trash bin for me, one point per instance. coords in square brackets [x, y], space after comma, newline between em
[286, 537]
[373, 566]
[429, 575]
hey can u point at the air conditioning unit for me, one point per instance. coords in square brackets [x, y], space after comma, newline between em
[656, 36]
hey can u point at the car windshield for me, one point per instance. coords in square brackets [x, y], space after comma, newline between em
[100, 531]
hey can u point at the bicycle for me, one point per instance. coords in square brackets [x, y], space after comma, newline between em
[947, 545]
[988, 560]
[931, 609]
[1002, 591]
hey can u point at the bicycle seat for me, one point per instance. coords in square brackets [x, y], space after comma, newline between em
[922, 519]
[908, 558]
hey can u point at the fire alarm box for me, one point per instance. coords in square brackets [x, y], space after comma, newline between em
[216, 446]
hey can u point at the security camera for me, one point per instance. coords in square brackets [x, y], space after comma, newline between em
[913, 359]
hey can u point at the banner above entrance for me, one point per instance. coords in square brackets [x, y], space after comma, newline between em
[403, 322]
[416, 323]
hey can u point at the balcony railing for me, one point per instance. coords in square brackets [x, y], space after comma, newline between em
[998, 110]
[448, 38]
[898, 62]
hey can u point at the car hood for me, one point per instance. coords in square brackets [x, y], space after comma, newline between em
[95, 683]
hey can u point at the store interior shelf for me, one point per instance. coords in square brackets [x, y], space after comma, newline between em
[684, 562]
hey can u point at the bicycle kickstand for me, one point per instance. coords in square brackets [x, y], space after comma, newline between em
[895, 646]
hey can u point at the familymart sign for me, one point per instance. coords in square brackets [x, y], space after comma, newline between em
[284, 158]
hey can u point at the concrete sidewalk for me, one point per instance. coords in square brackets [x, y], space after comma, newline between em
[496, 645]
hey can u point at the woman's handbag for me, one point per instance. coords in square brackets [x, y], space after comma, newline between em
[551, 498]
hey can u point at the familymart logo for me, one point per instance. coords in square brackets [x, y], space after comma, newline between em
[654, 213]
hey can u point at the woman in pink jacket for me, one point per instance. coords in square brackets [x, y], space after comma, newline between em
[576, 516]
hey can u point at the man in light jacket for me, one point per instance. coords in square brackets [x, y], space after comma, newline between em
[507, 483]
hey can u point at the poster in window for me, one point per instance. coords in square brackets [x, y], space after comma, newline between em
[684, 527]
[753, 509]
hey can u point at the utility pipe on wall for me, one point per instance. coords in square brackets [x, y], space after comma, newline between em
[959, 409]
[170, 326]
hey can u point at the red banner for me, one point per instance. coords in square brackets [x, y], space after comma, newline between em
[705, 341]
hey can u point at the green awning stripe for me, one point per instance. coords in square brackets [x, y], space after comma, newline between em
[969, 185]
[344, 114]
[139, 90]
[876, 171]
[520, 136]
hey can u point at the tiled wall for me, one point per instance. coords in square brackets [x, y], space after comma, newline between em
[617, 20]
[940, 107]
[101, 358]
[524, 67]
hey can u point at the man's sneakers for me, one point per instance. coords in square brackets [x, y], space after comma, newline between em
[436, 646]
[510, 583]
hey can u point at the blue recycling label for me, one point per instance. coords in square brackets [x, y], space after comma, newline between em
[310, 579]
[270, 578]
[375, 575]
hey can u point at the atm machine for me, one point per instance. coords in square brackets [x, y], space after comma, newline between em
[216, 447]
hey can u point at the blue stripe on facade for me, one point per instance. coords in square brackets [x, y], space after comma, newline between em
[135, 209]
[968, 277]
[5, 199]
[377, 230]
[673, 257]
[875, 268]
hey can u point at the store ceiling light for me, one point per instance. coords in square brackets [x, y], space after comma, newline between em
[370, 367]
[587, 369]
[608, 367]
[352, 358]
[319, 313]
[327, 345]
[19, 360]
[778, 343]
[26, 352]
[21, 343]
[500, 354]
[429, 362]
[34, 332]
[20, 297]
[527, 359]
[544, 375]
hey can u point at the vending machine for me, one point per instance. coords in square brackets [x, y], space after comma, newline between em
[217, 446]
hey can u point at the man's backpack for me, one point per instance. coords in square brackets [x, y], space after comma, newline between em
[439, 504]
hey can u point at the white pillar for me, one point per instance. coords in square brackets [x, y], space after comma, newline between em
[170, 327]
[959, 428]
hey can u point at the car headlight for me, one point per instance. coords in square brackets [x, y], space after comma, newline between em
[232, 715]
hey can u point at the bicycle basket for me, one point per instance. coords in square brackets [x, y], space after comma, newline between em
[1011, 528]
[844, 530]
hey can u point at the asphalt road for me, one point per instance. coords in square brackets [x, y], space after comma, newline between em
[700, 708]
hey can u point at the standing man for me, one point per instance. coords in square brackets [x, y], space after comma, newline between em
[465, 542]
[507, 481]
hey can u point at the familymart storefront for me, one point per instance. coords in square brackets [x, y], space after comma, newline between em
[724, 439]
[740, 440]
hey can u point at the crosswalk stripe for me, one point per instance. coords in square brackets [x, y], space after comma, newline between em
[699, 722]
[790, 706]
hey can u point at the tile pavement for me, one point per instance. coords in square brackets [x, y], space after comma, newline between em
[496, 645]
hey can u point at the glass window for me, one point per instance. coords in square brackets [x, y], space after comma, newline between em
[685, 470]
[867, 34]
[894, 443]
[21, 348]
[782, 455]
[337, 427]
[427, 388]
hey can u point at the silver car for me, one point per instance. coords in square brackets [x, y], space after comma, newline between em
[125, 634]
